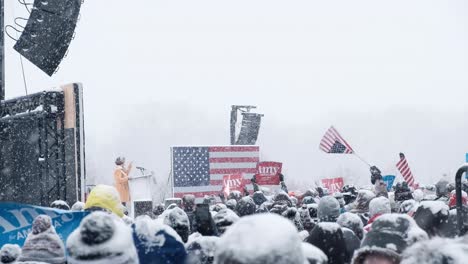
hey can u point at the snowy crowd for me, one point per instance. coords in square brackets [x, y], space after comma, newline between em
[362, 226]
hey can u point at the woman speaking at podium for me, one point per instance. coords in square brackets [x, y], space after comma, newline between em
[121, 177]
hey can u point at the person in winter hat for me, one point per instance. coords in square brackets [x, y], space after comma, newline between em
[78, 206]
[408, 207]
[259, 198]
[328, 237]
[157, 243]
[224, 219]
[43, 244]
[442, 192]
[437, 251]
[101, 238]
[308, 200]
[339, 197]
[377, 207]
[158, 210]
[431, 216]
[353, 222]
[361, 205]
[245, 206]
[292, 214]
[313, 209]
[453, 199]
[380, 188]
[349, 193]
[313, 254]
[179, 221]
[328, 209]
[201, 250]
[9, 253]
[104, 198]
[418, 195]
[402, 192]
[231, 204]
[236, 195]
[390, 235]
[258, 239]
[430, 193]
[59, 204]
[306, 220]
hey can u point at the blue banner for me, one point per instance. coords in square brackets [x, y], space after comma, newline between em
[389, 179]
[16, 221]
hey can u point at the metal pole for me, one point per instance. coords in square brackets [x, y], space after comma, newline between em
[458, 188]
[233, 124]
[2, 51]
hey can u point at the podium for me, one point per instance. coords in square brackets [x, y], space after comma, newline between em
[140, 194]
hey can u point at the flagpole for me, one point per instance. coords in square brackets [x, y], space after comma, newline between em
[359, 157]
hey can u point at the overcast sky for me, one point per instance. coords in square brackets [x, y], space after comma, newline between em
[390, 75]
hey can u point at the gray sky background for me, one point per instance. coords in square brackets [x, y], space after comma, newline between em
[391, 76]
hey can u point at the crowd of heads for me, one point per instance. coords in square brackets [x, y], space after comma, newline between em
[363, 226]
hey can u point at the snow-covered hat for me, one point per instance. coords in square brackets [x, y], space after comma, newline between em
[390, 235]
[156, 242]
[262, 238]
[43, 244]
[245, 206]
[101, 238]
[329, 238]
[231, 204]
[201, 250]
[437, 251]
[179, 221]
[225, 218]
[78, 206]
[353, 222]
[9, 253]
[328, 209]
[379, 205]
[59, 204]
[259, 198]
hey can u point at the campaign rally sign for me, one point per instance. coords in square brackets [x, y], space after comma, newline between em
[333, 185]
[268, 173]
[16, 221]
[234, 182]
[389, 179]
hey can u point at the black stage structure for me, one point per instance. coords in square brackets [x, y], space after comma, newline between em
[42, 147]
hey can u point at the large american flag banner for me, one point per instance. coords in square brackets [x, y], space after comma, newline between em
[405, 170]
[333, 142]
[200, 170]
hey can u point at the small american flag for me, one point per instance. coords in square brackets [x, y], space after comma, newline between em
[332, 142]
[200, 170]
[405, 170]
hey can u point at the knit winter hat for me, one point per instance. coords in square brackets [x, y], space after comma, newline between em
[9, 253]
[328, 209]
[225, 218]
[245, 206]
[101, 238]
[43, 244]
[78, 206]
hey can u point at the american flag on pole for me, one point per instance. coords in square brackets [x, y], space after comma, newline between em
[200, 170]
[333, 142]
[405, 170]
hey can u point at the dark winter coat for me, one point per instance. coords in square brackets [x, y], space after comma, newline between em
[430, 221]
[329, 238]
[245, 206]
[352, 243]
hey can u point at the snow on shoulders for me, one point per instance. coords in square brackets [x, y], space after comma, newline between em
[147, 228]
[329, 227]
[435, 207]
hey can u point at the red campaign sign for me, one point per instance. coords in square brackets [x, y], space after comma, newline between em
[268, 173]
[234, 182]
[333, 185]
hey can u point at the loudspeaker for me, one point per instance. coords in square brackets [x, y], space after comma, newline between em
[142, 207]
[48, 33]
[250, 127]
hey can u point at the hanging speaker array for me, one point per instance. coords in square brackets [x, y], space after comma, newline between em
[48, 33]
[250, 127]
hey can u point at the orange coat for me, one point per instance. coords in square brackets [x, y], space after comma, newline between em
[121, 182]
